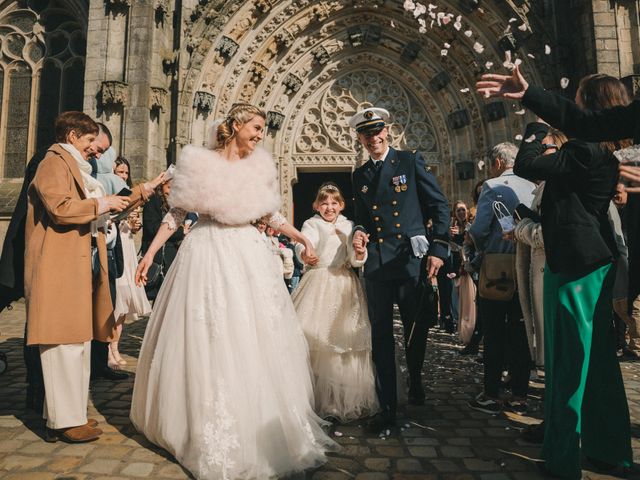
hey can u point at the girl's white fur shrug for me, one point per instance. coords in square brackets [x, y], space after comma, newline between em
[231, 192]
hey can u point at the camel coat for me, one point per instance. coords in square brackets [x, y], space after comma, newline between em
[63, 304]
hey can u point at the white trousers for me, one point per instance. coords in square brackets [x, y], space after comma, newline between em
[66, 370]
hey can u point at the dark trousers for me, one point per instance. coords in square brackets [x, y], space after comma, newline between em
[505, 340]
[100, 350]
[381, 297]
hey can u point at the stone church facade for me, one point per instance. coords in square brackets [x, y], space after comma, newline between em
[159, 72]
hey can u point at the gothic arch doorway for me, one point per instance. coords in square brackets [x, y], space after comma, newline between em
[305, 189]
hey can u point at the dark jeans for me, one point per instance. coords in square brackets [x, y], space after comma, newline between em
[381, 297]
[505, 339]
[100, 350]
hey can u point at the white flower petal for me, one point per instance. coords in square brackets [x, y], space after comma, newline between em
[520, 112]
[337, 433]
[518, 62]
[530, 138]
[511, 20]
[393, 25]
[564, 82]
[523, 27]
[447, 45]
[488, 65]
[518, 137]
[457, 25]
[409, 5]
[478, 47]
[468, 33]
[464, 90]
[547, 49]
[423, 29]
[531, 55]
[444, 52]
[480, 164]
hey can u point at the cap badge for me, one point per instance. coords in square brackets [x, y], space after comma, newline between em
[368, 115]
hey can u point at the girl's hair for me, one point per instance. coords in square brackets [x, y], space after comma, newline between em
[70, 121]
[559, 138]
[241, 113]
[123, 161]
[600, 92]
[328, 190]
[454, 215]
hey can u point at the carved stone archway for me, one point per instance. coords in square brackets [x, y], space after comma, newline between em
[310, 64]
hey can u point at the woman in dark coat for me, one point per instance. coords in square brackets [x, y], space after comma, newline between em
[585, 401]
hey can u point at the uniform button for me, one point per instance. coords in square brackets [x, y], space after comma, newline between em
[399, 237]
[381, 240]
[375, 207]
[395, 202]
[377, 219]
[397, 225]
[379, 229]
[395, 214]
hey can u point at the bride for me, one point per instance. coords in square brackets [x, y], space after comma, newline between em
[223, 379]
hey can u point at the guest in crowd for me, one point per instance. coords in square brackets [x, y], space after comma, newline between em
[585, 404]
[66, 284]
[152, 215]
[464, 290]
[332, 309]
[530, 260]
[282, 255]
[504, 332]
[131, 299]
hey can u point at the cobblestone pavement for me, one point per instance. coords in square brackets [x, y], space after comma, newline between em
[443, 440]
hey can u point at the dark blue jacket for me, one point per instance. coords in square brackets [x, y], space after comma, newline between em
[392, 218]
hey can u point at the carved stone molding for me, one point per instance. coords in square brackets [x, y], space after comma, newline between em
[292, 83]
[203, 101]
[113, 92]
[494, 111]
[262, 6]
[284, 40]
[320, 55]
[410, 52]
[274, 120]
[459, 119]
[158, 97]
[440, 81]
[258, 72]
[117, 6]
[320, 13]
[161, 6]
[227, 47]
[632, 82]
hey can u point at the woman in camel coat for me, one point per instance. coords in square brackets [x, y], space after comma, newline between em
[67, 295]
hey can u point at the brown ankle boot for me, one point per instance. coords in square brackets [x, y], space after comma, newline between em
[79, 434]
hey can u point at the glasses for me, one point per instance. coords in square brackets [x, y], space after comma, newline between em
[549, 146]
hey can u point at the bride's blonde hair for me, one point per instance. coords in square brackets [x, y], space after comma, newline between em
[241, 113]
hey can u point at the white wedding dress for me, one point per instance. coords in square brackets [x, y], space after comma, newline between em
[223, 379]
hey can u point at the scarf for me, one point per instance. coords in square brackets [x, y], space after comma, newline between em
[92, 187]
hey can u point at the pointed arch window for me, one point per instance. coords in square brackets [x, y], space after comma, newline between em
[42, 60]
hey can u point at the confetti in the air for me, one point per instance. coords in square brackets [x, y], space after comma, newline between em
[409, 5]
[547, 50]
[337, 433]
[523, 27]
[447, 45]
[393, 25]
[530, 138]
[507, 61]
[446, 19]
[458, 23]
[564, 82]
[468, 33]
[444, 52]
[511, 20]
[517, 62]
[518, 137]
[520, 112]
[480, 164]
[488, 65]
[531, 55]
[478, 47]
[419, 10]
[465, 90]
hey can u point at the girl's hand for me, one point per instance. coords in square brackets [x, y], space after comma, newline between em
[507, 86]
[141, 271]
[309, 255]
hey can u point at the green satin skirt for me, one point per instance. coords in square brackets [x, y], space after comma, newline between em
[585, 402]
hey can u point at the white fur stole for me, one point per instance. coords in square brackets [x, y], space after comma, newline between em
[231, 192]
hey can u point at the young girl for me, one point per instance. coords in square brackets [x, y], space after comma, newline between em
[130, 299]
[332, 309]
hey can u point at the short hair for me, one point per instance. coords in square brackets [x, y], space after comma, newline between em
[506, 151]
[326, 190]
[104, 129]
[70, 121]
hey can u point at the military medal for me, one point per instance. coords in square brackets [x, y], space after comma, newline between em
[400, 183]
[404, 187]
[364, 189]
[398, 188]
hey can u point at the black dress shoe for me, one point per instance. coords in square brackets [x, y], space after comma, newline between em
[416, 396]
[382, 424]
[109, 373]
[600, 466]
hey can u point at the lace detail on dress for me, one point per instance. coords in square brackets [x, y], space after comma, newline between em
[219, 438]
[174, 218]
[276, 220]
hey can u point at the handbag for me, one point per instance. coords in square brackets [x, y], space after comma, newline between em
[497, 276]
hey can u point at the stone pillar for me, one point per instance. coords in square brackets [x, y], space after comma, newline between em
[616, 36]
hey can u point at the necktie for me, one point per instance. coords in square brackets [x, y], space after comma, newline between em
[377, 164]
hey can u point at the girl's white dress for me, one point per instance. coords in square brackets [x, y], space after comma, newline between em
[130, 298]
[332, 309]
[223, 380]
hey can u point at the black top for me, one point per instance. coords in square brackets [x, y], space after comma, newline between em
[580, 182]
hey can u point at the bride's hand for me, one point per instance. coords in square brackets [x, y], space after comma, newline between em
[141, 271]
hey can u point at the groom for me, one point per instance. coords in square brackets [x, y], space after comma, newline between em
[395, 196]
